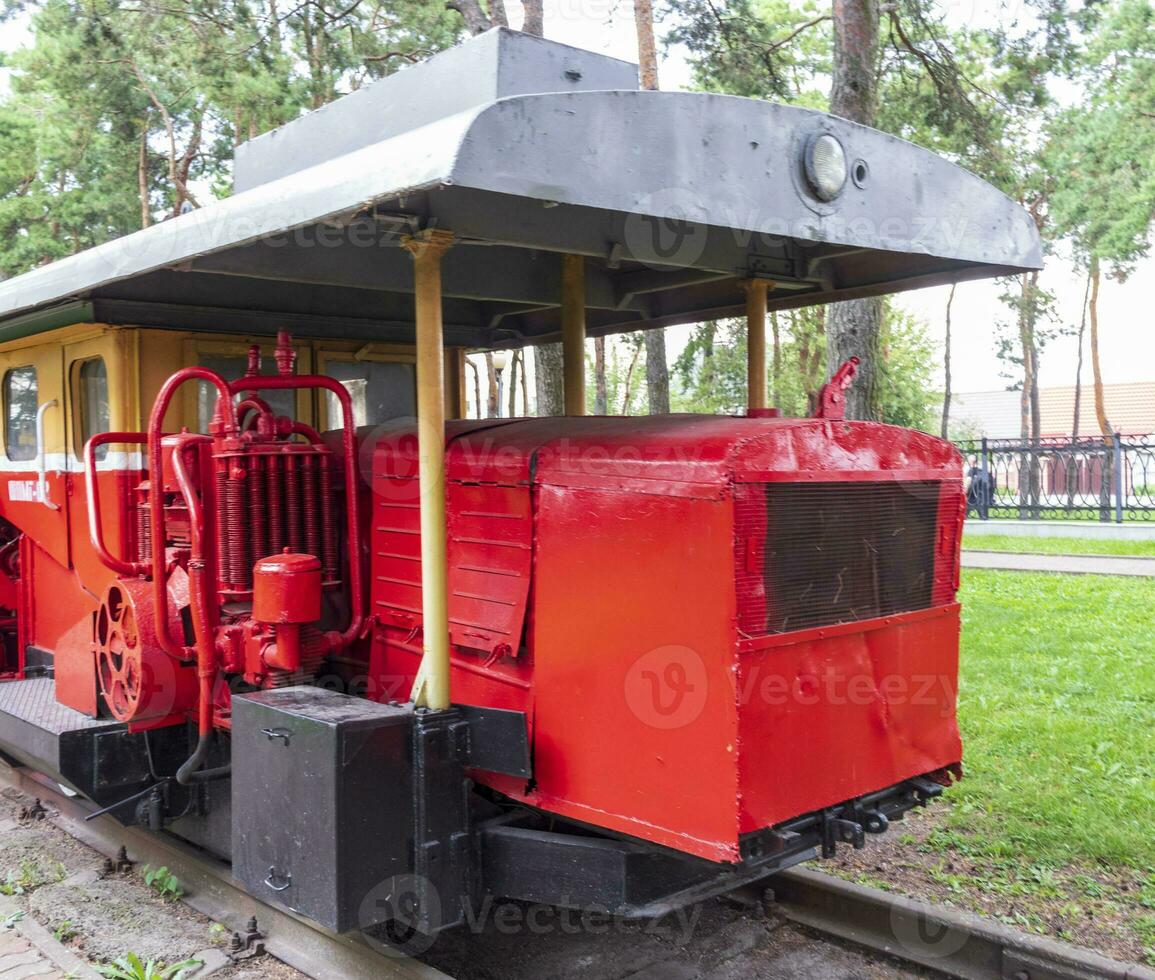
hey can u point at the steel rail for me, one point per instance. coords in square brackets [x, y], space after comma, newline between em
[946, 940]
[951, 941]
[211, 890]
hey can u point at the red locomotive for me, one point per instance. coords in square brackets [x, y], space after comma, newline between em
[618, 663]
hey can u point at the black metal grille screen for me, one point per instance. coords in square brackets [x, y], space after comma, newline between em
[837, 552]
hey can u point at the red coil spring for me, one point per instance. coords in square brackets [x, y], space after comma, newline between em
[276, 502]
[312, 518]
[293, 502]
[143, 532]
[222, 539]
[328, 522]
[257, 511]
[240, 567]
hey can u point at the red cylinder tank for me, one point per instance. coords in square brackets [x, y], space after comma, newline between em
[287, 589]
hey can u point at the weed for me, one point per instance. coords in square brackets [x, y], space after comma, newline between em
[19, 882]
[163, 882]
[131, 967]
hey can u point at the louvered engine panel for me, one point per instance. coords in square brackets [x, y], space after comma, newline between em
[816, 554]
[490, 537]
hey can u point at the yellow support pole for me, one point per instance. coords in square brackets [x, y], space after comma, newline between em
[573, 332]
[431, 688]
[756, 290]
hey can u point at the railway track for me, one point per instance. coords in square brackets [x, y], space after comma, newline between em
[808, 925]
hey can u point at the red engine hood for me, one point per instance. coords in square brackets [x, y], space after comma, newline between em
[691, 451]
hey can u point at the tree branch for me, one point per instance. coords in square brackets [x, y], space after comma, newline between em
[476, 19]
[793, 34]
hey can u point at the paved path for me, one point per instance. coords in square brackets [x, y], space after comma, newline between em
[28, 950]
[1062, 564]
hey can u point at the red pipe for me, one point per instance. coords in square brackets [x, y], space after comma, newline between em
[92, 498]
[302, 429]
[263, 410]
[227, 412]
[352, 509]
[203, 638]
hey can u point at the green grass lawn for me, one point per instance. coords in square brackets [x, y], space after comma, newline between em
[1057, 709]
[1052, 829]
[1057, 546]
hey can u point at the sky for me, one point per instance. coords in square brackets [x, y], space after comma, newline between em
[1127, 342]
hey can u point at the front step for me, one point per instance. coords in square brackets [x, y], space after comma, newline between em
[98, 758]
[38, 731]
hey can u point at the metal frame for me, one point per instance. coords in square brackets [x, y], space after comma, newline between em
[1061, 478]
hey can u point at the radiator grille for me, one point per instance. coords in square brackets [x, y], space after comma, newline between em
[817, 554]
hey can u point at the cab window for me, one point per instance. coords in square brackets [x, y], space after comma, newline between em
[231, 367]
[380, 390]
[90, 380]
[21, 399]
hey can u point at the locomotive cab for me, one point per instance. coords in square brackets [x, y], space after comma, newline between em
[264, 588]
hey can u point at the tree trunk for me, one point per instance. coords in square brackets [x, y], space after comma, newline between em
[601, 396]
[1025, 355]
[476, 385]
[492, 406]
[647, 50]
[142, 178]
[1096, 370]
[1073, 482]
[853, 325]
[1076, 422]
[513, 363]
[275, 28]
[548, 378]
[524, 383]
[1032, 336]
[534, 22]
[657, 372]
[708, 346]
[852, 330]
[476, 20]
[1024, 404]
[627, 387]
[499, 18]
[853, 90]
[946, 367]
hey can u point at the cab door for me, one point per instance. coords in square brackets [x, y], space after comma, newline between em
[100, 392]
[33, 460]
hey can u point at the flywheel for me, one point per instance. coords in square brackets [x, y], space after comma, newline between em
[137, 679]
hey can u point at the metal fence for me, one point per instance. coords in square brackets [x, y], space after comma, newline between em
[1073, 479]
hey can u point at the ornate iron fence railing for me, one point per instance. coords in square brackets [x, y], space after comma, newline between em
[1060, 478]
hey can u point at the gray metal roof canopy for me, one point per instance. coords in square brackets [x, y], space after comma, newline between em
[524, 149]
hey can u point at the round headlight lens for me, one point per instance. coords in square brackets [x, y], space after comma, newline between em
[826, 166]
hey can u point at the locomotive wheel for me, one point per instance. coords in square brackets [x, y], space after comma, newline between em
[138, 681]
[118, 658]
